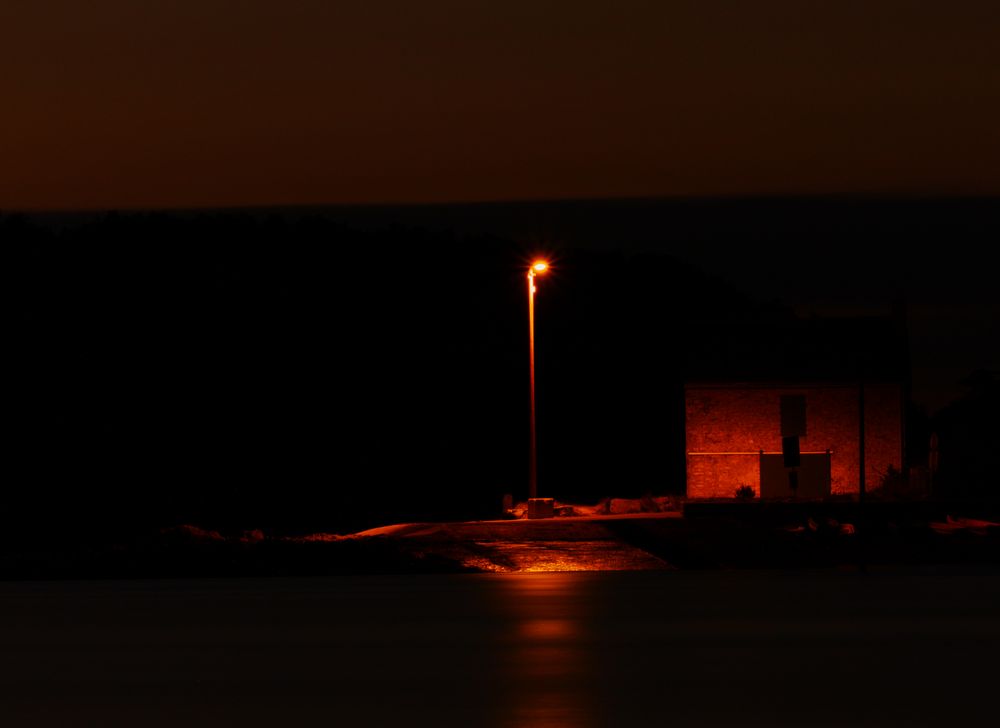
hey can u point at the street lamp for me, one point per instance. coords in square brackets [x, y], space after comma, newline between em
[536, 268]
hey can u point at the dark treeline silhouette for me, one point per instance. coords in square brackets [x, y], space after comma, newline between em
[245, 372]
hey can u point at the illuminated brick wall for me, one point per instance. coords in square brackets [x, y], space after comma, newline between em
[727, 425]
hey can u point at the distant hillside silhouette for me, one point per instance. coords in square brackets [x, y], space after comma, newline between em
[830, 255]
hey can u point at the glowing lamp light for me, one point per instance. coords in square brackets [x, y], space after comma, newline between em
[540, 266]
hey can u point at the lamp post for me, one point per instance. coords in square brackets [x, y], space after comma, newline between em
[534, 269]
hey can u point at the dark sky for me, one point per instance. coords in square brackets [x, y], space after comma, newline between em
[166, 103]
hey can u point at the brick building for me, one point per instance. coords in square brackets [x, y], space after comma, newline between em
[734, 437]
[777, 407]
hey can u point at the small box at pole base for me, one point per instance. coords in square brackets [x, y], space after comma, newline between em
[541, 507]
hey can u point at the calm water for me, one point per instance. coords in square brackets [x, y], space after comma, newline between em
[562, 649]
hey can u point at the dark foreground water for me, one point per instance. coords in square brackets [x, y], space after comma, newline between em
[561, 649]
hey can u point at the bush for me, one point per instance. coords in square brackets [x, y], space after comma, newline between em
[745, 492]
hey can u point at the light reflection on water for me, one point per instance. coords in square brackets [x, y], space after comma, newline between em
[547, 666]
[547, 629]
[545, 650]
